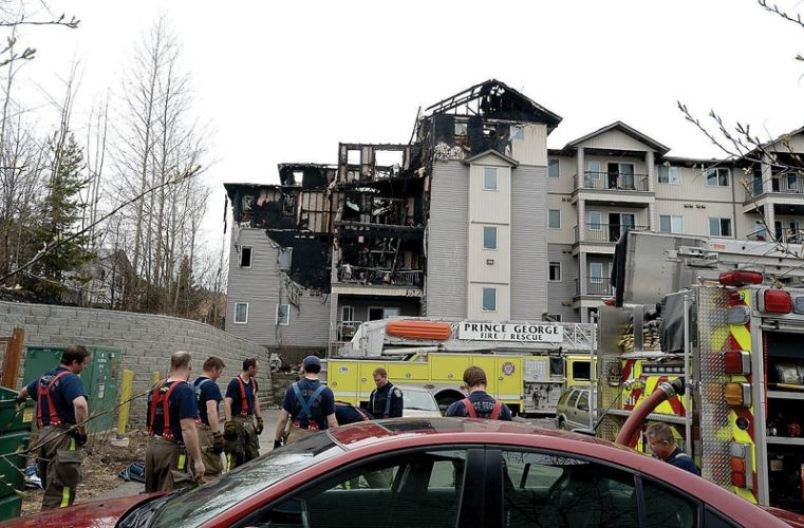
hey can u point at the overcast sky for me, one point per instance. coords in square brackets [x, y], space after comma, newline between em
[286, 81]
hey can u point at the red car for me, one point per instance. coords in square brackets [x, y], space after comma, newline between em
[437, 473]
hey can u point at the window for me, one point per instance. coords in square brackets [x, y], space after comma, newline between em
[583, 401]
[554, 218]
[595, 220]
[720, 227]
[285, 258]
[516, 132]
[283, 314]
[555, 272]
[669, 175]
[460, 128]
[489, 299]
[489, 237]
[245, 257]
[553, 168]
[596, 272]
[241, 313]
[347, 313]
[489, 178]
[664, 507]
[573, 399]
[671, 224]
[718, 177]
[581, 370]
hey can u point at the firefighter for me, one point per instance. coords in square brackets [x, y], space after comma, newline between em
[209, 397]
[61, 415]
[172, 414]
[479, 404]
[386, 400]
[663, 444]
[308, 404]
[244, 423]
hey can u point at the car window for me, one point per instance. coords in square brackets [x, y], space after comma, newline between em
[554, 490]
[583, 401]
[419, 401]
[414, 489]
[665, 508]
[564, 397]
[573, 398]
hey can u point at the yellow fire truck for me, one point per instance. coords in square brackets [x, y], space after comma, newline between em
[527, 364]
[721, 361]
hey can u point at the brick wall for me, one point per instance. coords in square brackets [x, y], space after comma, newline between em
[146, 341]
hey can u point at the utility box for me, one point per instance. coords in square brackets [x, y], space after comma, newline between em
[100, 378]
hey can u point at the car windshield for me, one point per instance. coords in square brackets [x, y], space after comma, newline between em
[203, 503]
[419, 400]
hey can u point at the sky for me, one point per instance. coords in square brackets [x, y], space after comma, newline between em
[286, 81]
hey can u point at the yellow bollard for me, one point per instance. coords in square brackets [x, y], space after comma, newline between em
[126, 387]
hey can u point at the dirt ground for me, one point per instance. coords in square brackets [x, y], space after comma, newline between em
[98, 470]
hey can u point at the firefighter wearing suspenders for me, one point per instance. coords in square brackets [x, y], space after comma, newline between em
[241, 407]
[172, 418]
[479, 404]
[209, 396]
[386, 400]
[61, 415]
[308, 404]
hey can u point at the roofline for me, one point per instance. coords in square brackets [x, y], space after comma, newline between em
[510, 161]
[631, 131]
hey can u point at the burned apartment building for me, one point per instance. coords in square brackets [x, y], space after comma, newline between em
[451, 224]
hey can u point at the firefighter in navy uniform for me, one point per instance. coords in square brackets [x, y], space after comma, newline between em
[479, 404]
[663, 444]
[172, 415]
[386, 401]
[244, 424]
[308, 404]
[61, 415]
[209, 397]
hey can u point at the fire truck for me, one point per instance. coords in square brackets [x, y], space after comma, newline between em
[707, 335]
[527, 363]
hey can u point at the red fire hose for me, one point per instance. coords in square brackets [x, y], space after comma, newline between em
[633, 424]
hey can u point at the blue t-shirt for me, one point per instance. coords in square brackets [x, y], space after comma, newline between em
[483, 404]
[233, 392]
[205, 390]
[63, 392]
[682, 460]
[346, 413]
[320, 408]
[182, 404]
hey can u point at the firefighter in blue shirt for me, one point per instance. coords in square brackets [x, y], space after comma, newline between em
[61, 415]
[308, 404]
[386, 401]
[209, 397]
[171, 419]
[479, 404]
[244, 424]
[663, 444]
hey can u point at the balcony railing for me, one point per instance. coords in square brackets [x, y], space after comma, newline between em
[595, 286]
[349, 274]
[786, 183]
[615, 181]
[604, 233]
[346, 329]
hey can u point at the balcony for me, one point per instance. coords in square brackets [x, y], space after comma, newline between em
[345, 330]
[612, 181]
[595, 287]
[603, 233]
[359, 280]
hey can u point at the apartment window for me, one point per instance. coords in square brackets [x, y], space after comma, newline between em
[671, 224]
[283, 314]
[554, 218]
[490, 179]
[553, 168]
[718, 177]
[595, 220]
[489, 300]
[669, 175]
[245, 257]
[285, 258]
[241, 313]
[555, 272]
[596, 272]
[720, 227]
[347, 313]
[489, 237]
[461, 128]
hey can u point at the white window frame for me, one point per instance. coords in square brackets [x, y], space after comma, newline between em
[351, 309]
[591, 223]
[483, 299]
[596, 279]
[673, 175]
[486, 175]
[717, 177]
[720, 226]
[250, 256]
[496, 232]
[235, 313]
[672, 230]
[548, 219]
[287, 321]
[554, 162]
[560, 272]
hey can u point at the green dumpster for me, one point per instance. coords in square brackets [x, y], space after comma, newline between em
[15, 435]
[10, 507]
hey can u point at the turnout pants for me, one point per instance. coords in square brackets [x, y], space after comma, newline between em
[297, 433]
[165, 465]
[212, 461]
[59, 465]
[247, 444]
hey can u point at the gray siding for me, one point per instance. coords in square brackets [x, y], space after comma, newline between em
[564, 291]
[262, 287]
[528, 243]
[448, 235]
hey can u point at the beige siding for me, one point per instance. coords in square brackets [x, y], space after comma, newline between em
[532, 148]
[693, 187]
[475, 302]
[528, 243]
[696, 216]
[489, 206]
[569, 219]
[568, 167]
[615, 139]
[478, 267]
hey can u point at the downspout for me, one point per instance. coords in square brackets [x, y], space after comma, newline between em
[663, 391]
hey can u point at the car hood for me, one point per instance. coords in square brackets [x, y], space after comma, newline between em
[95, 514]
[796, 520]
